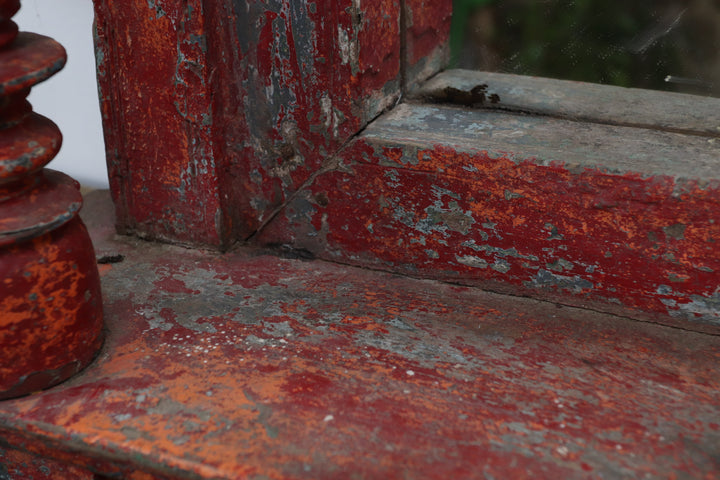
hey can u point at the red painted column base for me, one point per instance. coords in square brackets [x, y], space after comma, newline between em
[50, 300]
[51, 304]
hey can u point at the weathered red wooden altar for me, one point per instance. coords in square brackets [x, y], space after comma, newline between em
[339, 261]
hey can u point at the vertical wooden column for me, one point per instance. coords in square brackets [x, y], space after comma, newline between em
[217, 112]
[157, 106]
[310, 75]
[50, 302]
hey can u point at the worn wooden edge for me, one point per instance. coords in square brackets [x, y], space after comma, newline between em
[65, 451]
[433, 349]
[589, 102]
[18, 464]
[385, 207]
[549, 141]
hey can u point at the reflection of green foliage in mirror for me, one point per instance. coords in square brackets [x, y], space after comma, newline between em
[461, 12]
[587, 40]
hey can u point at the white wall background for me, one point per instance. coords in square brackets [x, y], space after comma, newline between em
[69, 98]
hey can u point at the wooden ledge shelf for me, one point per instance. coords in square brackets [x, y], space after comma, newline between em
[248, 365]
[616, 218]
[580, 101]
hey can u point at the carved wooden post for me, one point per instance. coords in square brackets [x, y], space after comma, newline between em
[50, 302]
[245, 101]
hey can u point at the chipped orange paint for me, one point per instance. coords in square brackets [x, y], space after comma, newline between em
[638, 246]
[50, 303]
[243, 102]
[50, 311]
[286, 369]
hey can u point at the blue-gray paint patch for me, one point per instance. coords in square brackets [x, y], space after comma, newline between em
[545, 279]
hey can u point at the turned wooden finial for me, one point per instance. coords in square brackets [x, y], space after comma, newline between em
[50, 301]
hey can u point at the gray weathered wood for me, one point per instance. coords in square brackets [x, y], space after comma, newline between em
[585, 101]
[617, 149]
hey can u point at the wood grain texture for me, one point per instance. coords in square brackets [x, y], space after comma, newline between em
[242, 103]
[615, 218]
[587, 101]
[248, 365]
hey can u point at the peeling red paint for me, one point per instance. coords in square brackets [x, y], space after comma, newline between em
[243, 102]
[312, 76]
[642, 245]
[50, 306]
[50, 310]
[246, 365]
[293, 369]
[159, 118]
